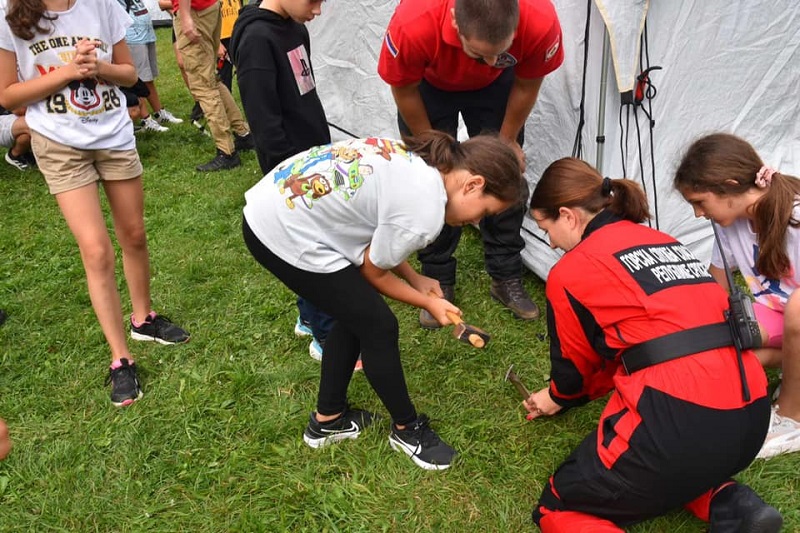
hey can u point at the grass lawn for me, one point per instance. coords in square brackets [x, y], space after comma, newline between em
[215, 444]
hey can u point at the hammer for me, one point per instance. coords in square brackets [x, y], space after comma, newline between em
[514, 379]
[465, 332]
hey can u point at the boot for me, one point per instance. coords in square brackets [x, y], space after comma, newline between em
[512, 294]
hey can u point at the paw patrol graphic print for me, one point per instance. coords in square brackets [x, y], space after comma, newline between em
[335, 168]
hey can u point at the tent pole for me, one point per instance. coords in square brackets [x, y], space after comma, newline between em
[601, 111]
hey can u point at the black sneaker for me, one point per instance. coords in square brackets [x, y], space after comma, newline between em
[125, 387]
[737, 508]
[426, 319]
[512, 294]
[347, 426]
[221, 161]
[158, 328]
[197, 113]
[17, 161]
[422, 444]
[30, 159]
[243, 142]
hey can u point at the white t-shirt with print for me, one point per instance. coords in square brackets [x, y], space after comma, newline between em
[88, 114]
[741, 245]
[320, 210]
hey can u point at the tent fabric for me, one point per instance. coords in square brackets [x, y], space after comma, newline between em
[729, 66]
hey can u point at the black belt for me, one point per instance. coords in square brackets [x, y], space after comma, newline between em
[675, 345]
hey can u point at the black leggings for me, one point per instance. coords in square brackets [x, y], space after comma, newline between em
[363, 323]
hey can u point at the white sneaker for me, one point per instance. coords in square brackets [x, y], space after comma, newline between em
[315, 351]
[165, 117]
[149, 124]
[783, 436]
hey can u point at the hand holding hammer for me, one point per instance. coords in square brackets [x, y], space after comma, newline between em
[464, 332]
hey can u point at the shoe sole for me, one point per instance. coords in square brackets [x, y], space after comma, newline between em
[321, 442]
[518, 317]
[149, 338]
[400, 447]
[128, 401]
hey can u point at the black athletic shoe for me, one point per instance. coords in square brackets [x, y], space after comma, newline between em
[17, 161]
[422, 444]
[348, 426]
[243, 142]
[125, 387]
[221, 161]
[159, 329]
[737, 509]
[197, 113]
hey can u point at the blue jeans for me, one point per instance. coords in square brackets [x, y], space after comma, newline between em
[320, 322]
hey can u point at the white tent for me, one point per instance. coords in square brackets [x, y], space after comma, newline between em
[730, 65]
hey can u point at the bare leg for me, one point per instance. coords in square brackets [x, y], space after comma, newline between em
[81, 210]
[153, 99]
[789, 397]
[126, 199]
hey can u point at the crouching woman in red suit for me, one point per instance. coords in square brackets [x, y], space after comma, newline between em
[631, 310]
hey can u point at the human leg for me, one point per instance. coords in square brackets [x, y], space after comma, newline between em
[639, 465]
[483, 111]
[81, 210]
[437, 260]
[199, 61]
[784, 432]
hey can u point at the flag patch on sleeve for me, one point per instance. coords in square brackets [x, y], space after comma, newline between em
[390, 46]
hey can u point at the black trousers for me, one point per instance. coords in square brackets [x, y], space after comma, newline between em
[483, 111]
[679, 451]
[363, 323]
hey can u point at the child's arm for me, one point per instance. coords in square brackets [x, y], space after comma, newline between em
[389, 284]
[14, 93]
[719, 276]
[120, 71]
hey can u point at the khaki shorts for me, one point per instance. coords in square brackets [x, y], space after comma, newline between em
[66, 168]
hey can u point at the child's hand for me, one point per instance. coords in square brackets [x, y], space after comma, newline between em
[439, 307]
[540, 404]
[85, 60]
[427, 286]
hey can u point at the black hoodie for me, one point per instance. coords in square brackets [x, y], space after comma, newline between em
[283, 121]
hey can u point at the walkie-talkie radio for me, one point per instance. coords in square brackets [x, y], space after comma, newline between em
[740, 315]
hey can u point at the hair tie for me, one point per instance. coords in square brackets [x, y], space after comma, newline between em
[605, 189]
[764, 177]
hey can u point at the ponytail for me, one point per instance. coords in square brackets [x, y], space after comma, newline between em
[727, 165]
[482, 155]
[570, 182]
[24, 18]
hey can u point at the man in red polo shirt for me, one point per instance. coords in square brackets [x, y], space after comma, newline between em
[486, 60]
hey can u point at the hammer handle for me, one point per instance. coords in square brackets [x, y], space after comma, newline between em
[454, 318]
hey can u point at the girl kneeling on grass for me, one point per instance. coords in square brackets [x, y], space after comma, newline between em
[81, 135]
[336, 223]
[629, 308]
[758, 209]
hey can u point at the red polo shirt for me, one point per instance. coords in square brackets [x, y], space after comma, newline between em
[197, 5]
[421, 42]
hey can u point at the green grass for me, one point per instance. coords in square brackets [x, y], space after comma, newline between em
[215, 444]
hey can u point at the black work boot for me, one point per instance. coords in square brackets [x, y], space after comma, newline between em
[737, 509]
[221, 161]
[426, 319]
[512, 294]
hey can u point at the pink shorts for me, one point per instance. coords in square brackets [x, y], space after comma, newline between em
[770, 321]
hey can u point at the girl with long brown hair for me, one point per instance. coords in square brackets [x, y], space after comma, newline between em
[758, 210]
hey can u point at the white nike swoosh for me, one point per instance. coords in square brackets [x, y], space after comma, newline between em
[353, 427]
